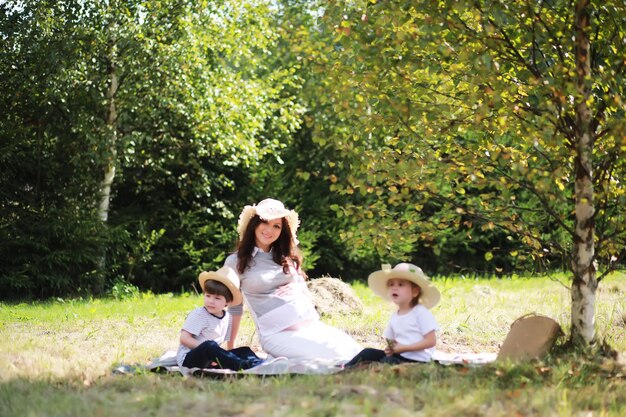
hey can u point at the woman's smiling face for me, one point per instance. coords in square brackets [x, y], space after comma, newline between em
[266, 233]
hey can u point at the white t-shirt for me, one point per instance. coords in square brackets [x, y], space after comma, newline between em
[410, 328]
[204, 326]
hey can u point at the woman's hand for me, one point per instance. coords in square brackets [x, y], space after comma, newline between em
[287, 290]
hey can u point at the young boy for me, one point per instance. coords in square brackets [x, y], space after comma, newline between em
[410, 333]
[207, 327]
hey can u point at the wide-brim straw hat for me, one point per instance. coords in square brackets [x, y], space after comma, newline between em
[268, 209]
[377, 281]
[226, 276]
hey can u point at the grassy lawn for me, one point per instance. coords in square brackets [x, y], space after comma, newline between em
[56, 360]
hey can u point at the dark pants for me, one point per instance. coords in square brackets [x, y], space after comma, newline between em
[209, 354]
[376, 355]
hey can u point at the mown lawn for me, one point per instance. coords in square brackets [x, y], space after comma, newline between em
[56, 360]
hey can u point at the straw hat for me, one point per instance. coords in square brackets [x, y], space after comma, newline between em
[377, 281]
[268, 209]
[226, 276]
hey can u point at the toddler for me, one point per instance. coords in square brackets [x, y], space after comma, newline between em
[207, 327]
[410, 332]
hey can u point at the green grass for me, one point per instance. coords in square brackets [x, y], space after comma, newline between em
[56, 360]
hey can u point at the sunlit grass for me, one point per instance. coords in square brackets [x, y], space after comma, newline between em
[56, 360]
[475, 314]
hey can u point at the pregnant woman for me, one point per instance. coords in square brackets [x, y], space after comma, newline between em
[269, 265]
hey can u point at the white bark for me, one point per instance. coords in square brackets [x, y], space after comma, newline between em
[109, 173]
[105, 197]
[584, 283]
[583, 310]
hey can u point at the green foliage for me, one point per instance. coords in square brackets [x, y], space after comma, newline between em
[50, 253]
[122, 290]
[50, 239]
[437, 132]
[456, 118]
[177, 97]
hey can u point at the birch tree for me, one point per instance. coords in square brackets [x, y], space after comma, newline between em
[478, 116]
[585, 283]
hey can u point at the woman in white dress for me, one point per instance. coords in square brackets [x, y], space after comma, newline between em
[269, 265]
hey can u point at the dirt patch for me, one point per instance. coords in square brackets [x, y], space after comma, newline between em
[332, 296]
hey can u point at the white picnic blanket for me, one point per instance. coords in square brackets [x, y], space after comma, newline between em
[167, 362]
[276, 366]
[470, 359]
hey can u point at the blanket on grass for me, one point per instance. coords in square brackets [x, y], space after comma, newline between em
[167, 363]
[530, 336]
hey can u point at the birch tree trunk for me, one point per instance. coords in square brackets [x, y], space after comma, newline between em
[109, 172]
[109, 169]
[584, 283]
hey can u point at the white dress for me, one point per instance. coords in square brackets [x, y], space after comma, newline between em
[274, 314]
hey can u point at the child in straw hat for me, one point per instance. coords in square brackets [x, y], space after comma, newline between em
[207, 327]
[410, 332]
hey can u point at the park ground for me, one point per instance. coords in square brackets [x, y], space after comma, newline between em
[58, 356]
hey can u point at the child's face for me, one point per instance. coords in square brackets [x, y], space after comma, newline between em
[402, 291]
[215, 304]
[266, 233]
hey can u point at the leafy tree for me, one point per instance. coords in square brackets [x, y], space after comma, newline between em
[131, 117]
[295, 172]
[227, 109]
[48, 236]
[494, 115]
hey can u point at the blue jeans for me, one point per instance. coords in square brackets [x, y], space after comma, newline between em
[209, 354]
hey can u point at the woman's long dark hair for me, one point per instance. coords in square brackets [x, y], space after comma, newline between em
[284, 252]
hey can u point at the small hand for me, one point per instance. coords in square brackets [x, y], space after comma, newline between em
[389, 349]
